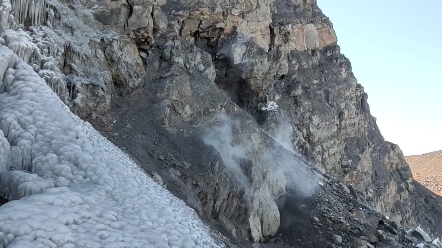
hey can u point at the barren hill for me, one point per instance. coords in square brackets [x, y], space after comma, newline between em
[427, 169]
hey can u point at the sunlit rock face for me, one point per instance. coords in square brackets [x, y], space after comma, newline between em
[231, 105]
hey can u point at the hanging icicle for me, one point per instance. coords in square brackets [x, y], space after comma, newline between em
[4, 151]
[34, 9]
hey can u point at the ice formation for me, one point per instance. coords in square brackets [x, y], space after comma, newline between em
[5, 11]
[73, 188]
[34, 10]
[20, 43]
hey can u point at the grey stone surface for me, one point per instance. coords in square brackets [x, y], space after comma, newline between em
[247, 110]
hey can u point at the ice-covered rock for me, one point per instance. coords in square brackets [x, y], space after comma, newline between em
[5, 14]
[20, 43]
[72, 187]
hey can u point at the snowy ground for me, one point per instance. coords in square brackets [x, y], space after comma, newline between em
[73, 187]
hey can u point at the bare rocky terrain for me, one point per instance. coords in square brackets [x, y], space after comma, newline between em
[246, 110]
[427, 170]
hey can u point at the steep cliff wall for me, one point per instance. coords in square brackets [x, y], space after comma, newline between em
[155, 76]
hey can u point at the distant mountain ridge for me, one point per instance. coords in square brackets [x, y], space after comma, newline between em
[427, 170]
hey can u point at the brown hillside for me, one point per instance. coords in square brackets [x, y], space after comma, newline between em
[427, 170]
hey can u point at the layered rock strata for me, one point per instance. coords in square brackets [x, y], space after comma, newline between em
[232, 103]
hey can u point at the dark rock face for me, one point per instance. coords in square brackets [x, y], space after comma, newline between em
[246, 110]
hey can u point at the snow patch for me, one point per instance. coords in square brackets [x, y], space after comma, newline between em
[437, 242]
[269, 106]
[426, 237]
[73, 188]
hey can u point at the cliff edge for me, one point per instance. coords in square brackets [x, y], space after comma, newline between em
[246, 110]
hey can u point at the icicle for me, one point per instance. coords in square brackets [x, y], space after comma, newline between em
[50, 16]
[35, 12]
[5, 11]
[4, 192]
[24, 8]
[7, 60]
[4, 151]
[25, 153]
[16, 5]
[20, 42]
[58, 87]
[34, 9]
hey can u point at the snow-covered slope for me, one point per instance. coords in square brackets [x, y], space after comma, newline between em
[71, 187]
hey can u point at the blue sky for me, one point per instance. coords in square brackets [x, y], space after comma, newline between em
[395, 48]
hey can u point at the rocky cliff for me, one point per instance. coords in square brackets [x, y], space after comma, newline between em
[246, 109]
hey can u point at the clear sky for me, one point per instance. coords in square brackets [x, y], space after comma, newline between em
[395, 48]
